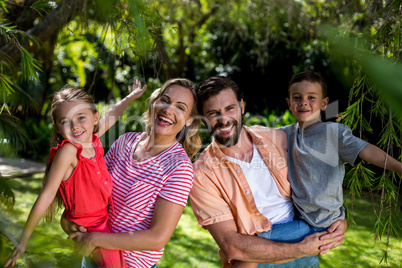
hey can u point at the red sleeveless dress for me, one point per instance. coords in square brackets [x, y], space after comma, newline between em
[86, 196]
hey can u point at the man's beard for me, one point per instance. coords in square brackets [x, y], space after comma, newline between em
[231, 140]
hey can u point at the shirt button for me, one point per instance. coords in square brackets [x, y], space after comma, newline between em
[247, 192]
[258, 214]
[94, 160]
[238, 171]
[105, 182]
[98, 172]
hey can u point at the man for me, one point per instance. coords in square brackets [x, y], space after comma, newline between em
[241, 184]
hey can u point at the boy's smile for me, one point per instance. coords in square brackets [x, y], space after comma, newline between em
[306, 102]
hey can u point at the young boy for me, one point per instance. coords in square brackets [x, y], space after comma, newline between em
[318, 152]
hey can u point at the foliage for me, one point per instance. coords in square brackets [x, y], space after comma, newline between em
[190, 245]
[103, 45]
[375, 103]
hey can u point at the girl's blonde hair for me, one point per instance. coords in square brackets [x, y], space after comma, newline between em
[188, 136]
[66, 93]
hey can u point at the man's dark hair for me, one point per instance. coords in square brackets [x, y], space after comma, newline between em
[213, 86]
[311, 77]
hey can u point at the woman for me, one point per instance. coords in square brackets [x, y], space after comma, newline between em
[152, 176]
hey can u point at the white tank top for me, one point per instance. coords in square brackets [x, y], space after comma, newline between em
[266, 194]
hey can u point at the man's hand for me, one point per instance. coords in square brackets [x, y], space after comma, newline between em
[69, 226]
[83, 245]
[311, 244]
[334, 236]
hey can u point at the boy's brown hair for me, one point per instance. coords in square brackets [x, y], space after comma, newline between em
[311, 77]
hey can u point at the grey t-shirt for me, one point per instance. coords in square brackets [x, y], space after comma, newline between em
[317, 158]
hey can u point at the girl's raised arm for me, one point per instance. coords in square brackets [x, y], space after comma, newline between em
[64, 159]
[113, 114]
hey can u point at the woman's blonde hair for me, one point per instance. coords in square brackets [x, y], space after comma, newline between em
[188, 136]
[66, 93]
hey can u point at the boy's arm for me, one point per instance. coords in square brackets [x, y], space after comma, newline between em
[113, 114]
[374, 155]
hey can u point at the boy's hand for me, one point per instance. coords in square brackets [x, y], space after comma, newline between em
[334, 236]
[136, 91]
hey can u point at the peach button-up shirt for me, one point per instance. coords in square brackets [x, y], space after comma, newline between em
[221, 192]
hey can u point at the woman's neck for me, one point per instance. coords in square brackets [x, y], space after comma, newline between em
[150, 146]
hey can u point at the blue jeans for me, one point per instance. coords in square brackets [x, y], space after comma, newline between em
[292, 232]
[88, 262]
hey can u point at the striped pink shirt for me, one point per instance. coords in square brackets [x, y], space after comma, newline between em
[138, 184]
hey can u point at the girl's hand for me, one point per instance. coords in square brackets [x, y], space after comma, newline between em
[14, 256]
[83, 245]
[136, 91]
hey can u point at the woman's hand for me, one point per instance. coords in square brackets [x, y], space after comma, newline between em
[83, 245]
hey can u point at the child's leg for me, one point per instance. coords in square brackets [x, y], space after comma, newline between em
[291, 232]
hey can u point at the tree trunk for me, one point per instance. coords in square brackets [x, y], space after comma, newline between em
[45, 29]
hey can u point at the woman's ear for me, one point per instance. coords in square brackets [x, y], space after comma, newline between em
[189, 121]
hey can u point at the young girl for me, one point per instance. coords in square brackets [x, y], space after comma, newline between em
[77, 169]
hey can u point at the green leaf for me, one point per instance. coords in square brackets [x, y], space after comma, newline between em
[7, 198]
[5, 84]
[41, 6]
[3, 6]
[12, 133]
[29, 66]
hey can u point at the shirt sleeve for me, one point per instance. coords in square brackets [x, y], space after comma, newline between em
[349, 145]
[208, 205]
[177, 187]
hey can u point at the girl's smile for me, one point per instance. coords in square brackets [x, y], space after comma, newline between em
[75, 121]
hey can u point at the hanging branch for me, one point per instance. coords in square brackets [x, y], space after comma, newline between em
[52, 23]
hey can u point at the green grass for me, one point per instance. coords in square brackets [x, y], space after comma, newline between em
[190, 246]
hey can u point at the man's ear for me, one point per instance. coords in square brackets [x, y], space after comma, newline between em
[242, 106]
[324, 103]
[288, 101]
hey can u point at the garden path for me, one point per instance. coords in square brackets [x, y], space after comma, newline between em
[13, 167]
